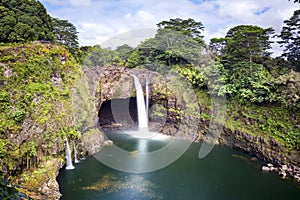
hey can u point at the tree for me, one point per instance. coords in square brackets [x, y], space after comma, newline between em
[244, 43]
[100, 57]
[188, 27]
[23, 21]
[65, 32]
[254, 84]
[177, 41]
[290, 36]
[243, 52]
[217, 45]
[124, 51]
[288, 87]
[248, 43]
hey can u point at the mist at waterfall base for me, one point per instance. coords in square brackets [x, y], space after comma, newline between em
[223, 174]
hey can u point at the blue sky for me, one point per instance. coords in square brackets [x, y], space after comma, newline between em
[99, 20]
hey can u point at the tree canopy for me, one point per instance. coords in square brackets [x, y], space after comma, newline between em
[24, 20]
[188, 27]
[244, 43]
[177, 41]
[290, 36]
[27, 20]
[65, 32]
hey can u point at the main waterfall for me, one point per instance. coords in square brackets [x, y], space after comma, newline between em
[141, 106]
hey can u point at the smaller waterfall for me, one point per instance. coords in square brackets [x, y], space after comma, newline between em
[68, 156]
[75, 153]
[142, 116]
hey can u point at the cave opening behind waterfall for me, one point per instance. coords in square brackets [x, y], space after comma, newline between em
[122, 114]
[118, 112]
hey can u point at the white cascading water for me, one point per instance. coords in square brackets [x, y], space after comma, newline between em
[147, 97]
[68, 157]
[142, 115]
[75, 153]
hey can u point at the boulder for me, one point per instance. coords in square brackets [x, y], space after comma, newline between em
[108, 142]
[270, 165]
[284, 167]
[282, 174]
[265, 168]
[92, 141]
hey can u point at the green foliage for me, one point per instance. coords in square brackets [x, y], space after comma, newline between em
[100, 57]
[273, 121]
[243, 43]
[133, 59]
[9, 191]
[188, 27]
[19, 115]
[71, 132]
[35, 103]
[177, 42]
[251, 83]
[124, 51]
[23, 21]
[291, 40]
[32, 150]
[4, 96]
[244, 54]
[65, 32]
[2, 148]
[288, 87]
[194, 75]
[216, 77]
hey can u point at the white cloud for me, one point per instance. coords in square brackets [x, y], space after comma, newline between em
[145, 17]
[79, 3]
[98, 20]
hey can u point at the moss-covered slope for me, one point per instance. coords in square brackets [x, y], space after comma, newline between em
[36, 111]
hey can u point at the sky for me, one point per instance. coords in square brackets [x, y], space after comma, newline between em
[104, 21]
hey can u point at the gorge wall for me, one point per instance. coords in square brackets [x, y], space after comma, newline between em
[116, 84]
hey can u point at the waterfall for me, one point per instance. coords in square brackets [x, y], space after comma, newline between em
[147, 97]
[142, 115]
[68, 156]
[75, 153]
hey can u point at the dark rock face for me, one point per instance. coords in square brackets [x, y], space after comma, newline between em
[264, 148]
[92, 141]
[50, 188]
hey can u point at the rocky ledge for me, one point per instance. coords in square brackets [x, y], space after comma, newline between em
[284, 171]
[285, 164]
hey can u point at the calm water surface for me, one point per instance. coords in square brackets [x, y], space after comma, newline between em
[223, 174]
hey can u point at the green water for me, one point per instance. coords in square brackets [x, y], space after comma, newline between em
[223, 174]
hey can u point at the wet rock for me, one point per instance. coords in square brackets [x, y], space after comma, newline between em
[282, 174]
[108, 142]
[253, 159]
[48, 188]
[270, 165]
[265, 168]
[92, 141]
[169, 130]
[284, 167]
